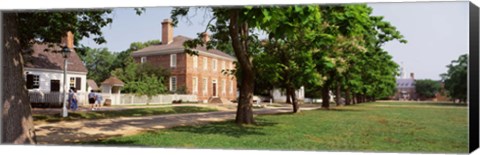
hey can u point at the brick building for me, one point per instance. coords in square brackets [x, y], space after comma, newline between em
[200, 75]
[405, 87]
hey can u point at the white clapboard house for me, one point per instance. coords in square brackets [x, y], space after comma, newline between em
[44, 73]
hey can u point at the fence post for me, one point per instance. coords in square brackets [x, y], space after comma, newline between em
[161, 99]
[131, 99]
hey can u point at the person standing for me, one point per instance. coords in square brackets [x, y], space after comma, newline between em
[98, 98]
[70, 93]
[74, 100]
[91, 99]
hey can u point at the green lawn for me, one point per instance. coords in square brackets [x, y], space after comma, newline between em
[383, 127]
[137, 112]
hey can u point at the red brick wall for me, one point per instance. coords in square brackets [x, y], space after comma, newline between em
[185, 72]
[164, 61]
[210, 75]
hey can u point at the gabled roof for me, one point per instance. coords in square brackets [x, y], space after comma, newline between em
[406, 83]
[114, 81]
[177, 44]
[92, 84]
[42, 59]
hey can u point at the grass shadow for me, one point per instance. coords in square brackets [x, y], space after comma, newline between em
[139, 112]
[228, 128]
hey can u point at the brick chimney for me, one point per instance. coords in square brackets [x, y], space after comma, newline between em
[205, 37]
[167, 32]
[67, 39]
[412, 75]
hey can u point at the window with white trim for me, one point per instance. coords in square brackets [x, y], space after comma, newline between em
[195, 61]
[72, 82]
[224, 86]
[33, 81]
[231, 86]
[223, 65]
[194, 85]
[205, 86]
[173, 60]
[143, 59]
[214, 64]
[205, 63]
[173, 83]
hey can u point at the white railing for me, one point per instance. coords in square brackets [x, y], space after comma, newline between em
[159, 99]
[53, 98]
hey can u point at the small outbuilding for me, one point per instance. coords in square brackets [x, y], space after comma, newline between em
[112, 85]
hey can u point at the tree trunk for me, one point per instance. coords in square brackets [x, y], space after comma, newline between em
[325, 97]
[354, 99]
[337, 94]
[17, 121]
[240, 47]
[288, 96]
[347, 96]
[295, 105]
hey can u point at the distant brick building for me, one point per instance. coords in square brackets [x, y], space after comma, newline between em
[405, 87]
[201, 75]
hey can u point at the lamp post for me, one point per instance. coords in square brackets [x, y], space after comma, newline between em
[65, 53]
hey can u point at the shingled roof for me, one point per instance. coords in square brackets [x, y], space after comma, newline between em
[42, 59]
[114, 81]
[177, 44]
[92, 84]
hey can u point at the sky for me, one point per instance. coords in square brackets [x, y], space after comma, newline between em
[437, 32]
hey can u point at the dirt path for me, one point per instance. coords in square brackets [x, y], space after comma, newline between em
[92, 130]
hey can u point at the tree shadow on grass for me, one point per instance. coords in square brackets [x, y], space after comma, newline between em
[68, 136]
[444, 104]
[112, 142]
[229, 128]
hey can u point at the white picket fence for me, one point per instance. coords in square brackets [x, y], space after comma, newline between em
[53, 98]
[159, 99]
[56, 99]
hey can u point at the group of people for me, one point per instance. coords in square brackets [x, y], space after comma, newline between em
[94, 100]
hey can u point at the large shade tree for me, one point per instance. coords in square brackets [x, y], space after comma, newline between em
[21, 30]
[355, 61]
[236, 26]
[456, 78]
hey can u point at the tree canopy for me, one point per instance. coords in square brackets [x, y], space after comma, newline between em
[456, 78]
[320, 46]
[427, 88]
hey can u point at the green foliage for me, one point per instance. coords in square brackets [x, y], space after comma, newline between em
[285, 60]
[143, 78]
[50, 26]
[353, 57]
[181, 90]
[99, 63]
[456, 78]
[149, 85]
[426, 88]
